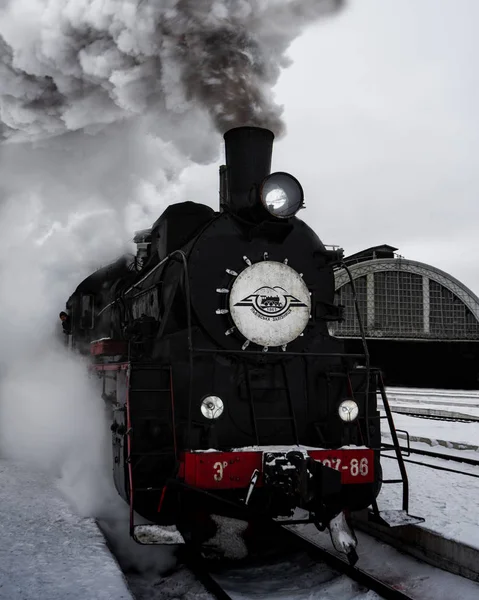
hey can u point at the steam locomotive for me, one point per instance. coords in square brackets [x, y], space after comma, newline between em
[228, 395]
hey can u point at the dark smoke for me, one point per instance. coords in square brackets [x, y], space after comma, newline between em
[67, 65]
[113, 99]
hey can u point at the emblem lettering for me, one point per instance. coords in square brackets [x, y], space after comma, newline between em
[271, 303]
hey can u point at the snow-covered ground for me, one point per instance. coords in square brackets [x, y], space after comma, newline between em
[448, 501]
[433, 446]
[457, 401]
[299, 577]
[181, 584]
[426, 395]
[47, 552]
[296, 578]
[443, 409]
[402, 572]
[435, 430]
[440, 463]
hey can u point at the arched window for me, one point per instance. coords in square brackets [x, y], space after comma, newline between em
[402, 299]
[449, 317]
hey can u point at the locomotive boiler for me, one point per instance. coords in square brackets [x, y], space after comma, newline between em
[228, 395]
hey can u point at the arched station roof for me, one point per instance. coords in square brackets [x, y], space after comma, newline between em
[404, 299]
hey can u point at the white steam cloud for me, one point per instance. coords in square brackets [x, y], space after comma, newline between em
[103, 104]
[69, 65]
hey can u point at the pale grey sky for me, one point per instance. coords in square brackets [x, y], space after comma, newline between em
[382, 110]
[382, 114]
[381, 107]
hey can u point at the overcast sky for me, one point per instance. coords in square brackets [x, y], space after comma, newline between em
[382, 109]
[381, 106]
[382, 114]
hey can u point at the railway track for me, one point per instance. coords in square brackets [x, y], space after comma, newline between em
[472, 395]
[442, 405]
[385, 590]
[437, 455]
[444, 402]
[207, 573]
[202, 571]
[435, 417]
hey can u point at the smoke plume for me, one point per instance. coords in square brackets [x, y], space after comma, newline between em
[69, 65]
[103, 104]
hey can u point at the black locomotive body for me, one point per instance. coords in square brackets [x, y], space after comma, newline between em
[228, 394]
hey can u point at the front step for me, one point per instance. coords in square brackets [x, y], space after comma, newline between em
[393, 518]
[154, 535]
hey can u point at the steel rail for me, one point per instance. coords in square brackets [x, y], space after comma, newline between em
[438, 456]
[433, 392]
[386, 591]
[201, 570]
[438, 418]
[452, 457]
[199, 567]
[450, 404]
[436, 467]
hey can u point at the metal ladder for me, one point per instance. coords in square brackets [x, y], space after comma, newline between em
[255, 420]
[393, 518]
[159, 408]
[389, 518]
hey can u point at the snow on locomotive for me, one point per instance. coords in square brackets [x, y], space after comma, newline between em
[228, 395]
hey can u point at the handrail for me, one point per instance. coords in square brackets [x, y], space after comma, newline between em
[397, 448]
[265, 354]
[365, 347]
[135, 285]
[382, 390]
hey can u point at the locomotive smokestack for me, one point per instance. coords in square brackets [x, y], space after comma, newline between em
[248, 162]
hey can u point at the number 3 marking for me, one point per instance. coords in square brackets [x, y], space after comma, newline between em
[219, 468]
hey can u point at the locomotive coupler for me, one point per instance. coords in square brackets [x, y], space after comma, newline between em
[286, 473]
[300, 476]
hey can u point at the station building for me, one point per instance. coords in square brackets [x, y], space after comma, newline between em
[421, 324]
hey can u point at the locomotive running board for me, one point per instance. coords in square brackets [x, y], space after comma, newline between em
[393, 518]
[157, 535]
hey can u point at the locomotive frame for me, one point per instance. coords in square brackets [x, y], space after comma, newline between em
[198, 472]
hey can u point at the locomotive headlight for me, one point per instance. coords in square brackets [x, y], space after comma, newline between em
[282, 195]
[212, 407]
[348, 410]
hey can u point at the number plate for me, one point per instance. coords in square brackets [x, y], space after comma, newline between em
[220, 470]
[230, 470]
[355, 466]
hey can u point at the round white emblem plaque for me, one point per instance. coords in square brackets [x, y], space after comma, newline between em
[270, 303]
